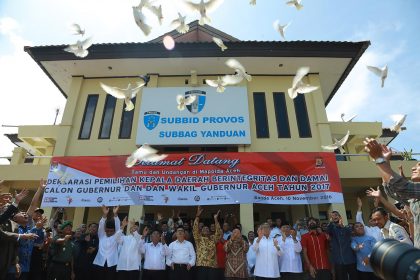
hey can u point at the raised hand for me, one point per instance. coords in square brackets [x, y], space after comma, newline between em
[276, 242]
[41, 222]
[124, 223]
[132, 222]
[260, 234]
[105, 211]
[68, 237]
[145, 230]
[19, 196]
[159, 216]
[373, 148]
[199, 211]
[216, 215]
[294, 234]
[42, 184]
[386, 152]
[115, 210]
[373, 193]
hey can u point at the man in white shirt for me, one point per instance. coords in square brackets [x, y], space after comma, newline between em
[267, 251]
[370, 230]
[388, 228]
[276, 230]
[129, 260]
[154, 257]
[290, 262]
[250, 255]
[107, 257]
[181, 257]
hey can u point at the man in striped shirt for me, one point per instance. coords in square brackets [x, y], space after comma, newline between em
[315, 252]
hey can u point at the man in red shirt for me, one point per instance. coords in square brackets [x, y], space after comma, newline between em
[315, 252]
[221, 258]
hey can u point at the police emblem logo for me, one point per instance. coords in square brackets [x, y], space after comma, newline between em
[198, 105]
[151, 119]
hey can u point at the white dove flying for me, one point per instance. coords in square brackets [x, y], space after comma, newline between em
[348, 120]
[253, 2]
[139, 18]
[144, 153]
[157, 11]
[76, 29]
[240, 73]
[298, 86]
[399, 122]
[184, 101]
[180, 24]
[127, 94]
[380, 72]
[219, 84]
[280, 28]
[144, 4]
[220, 43]
[80, 49]
[203, 8]
[62, 176]
[295, 3]
[338, 144]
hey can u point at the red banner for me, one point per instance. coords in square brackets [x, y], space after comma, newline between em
[195, 179]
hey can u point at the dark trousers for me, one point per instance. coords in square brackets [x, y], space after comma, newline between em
[105, 272]
[366, 275]
[154, 274]
[37, 265]
[128, 274]
[59, 271]
[322, 274]
[291, 276]
[220, 273]
[23, 276]
[205, 273]
[345, 272]
[180, 272]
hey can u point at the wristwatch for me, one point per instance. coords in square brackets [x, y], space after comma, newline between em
[380, 160]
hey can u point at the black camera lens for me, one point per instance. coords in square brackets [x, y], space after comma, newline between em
[393, 260]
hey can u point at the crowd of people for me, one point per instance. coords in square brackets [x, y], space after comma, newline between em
[33, 247]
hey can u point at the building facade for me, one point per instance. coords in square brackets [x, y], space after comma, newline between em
[96, 124]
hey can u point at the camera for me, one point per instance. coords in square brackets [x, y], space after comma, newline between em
[391, 259]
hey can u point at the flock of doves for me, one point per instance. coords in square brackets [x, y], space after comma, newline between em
[147, 153]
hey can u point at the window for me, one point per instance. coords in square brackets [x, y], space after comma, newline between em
[302, 116]
[127, 122]
[88, 116]
[107, 117]
[282, 120]
[261, 119]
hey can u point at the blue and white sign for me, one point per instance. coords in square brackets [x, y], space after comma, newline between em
[213, 118]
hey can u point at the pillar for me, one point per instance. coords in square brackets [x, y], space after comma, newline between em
[340, 208]
[19, 155]
[246, 217]
[313, 210]
[79, 213]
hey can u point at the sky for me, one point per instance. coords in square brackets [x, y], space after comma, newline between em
[28, 97]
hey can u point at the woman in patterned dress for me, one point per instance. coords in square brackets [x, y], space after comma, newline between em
[236, 264]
